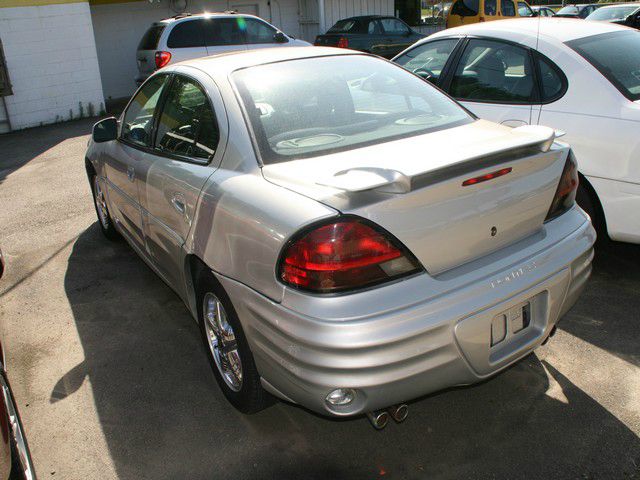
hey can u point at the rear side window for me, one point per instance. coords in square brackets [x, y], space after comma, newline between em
[187, 125]
[465, 8]
[491, 71]
[187, 34]
[374, 28]
[490, 7]
[223, 31]
[258, 32]
[507, 8]
[616, 55]
[553, 82]
[150, 39]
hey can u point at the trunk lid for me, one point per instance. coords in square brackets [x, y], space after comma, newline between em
[413, 188]
[330, 39]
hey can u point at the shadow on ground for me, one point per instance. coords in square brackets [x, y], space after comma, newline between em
[163, 416]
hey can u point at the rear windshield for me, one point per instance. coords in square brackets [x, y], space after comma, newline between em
[343, 26]
[151, 37]
[613, 13]
[568, 11]
[617, 56]
[315, 106]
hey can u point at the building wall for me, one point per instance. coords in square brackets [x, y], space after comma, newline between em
[118, 28]
[53, 67]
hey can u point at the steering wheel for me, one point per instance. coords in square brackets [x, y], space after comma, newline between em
[424, 73]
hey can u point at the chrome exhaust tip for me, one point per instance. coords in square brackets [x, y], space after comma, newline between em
[399, 412]
[378, 419]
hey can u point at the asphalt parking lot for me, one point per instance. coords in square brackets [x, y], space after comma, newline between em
[107, 367]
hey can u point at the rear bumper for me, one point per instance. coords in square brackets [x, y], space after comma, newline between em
[420, 335]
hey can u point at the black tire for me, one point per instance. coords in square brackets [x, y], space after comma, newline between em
[585, 198]
[251, 397]
[106, 223]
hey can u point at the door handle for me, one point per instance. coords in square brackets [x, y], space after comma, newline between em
[131, 174]
[178, 203]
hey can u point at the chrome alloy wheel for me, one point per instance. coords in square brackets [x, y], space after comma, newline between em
[222, 342]
[101, 204]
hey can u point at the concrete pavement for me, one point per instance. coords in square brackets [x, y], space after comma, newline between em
[108, 371]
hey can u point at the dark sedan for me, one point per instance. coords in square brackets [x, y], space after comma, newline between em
[15, 460]
[383, 36]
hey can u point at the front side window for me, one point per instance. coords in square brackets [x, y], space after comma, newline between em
[311, 107]
[393, 26]
[187, 34]
[616, 55]
[524, 10]
[374, 28]
[137, 124]
[429, 57]
[223, 31]
[491, 71]
[258, 32]
[465, 8]
[187, 125]
[490, 7]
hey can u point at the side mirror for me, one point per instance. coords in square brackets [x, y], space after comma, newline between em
[280, 37]
[105, 130]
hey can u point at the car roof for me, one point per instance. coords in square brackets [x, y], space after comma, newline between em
[221, 65]
[559, 29]
[192, 16]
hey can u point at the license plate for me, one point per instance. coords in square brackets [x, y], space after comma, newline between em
[511, 322]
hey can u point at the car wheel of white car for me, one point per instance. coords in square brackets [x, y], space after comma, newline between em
[227, 349]
[100, 202]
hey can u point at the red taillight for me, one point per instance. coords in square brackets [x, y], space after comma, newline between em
[488, 176]
[343, 42]
[343, 255]
[566, 192]
[162, 58]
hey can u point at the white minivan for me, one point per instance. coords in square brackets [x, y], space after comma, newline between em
[188, 36]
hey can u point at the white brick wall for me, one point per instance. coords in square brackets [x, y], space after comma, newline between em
[52, 62]
[119, 27]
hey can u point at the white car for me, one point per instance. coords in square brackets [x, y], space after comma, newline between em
[579, 77]
[187, 36]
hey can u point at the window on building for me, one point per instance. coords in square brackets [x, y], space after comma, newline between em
[5, 83]
[187, 125]
[492, 71]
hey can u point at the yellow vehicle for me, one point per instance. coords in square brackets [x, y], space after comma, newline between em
[464, 12]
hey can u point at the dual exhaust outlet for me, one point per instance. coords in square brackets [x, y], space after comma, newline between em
[380, 418]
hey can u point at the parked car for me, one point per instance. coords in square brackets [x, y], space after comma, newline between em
[580, 77]
[627, 14]
[464, 12]
[307, 206]
[188, 36]
[15, 459]
[577, 11]
[383, 36]
[542, 11]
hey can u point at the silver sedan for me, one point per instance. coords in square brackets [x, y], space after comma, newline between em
[346, 236]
